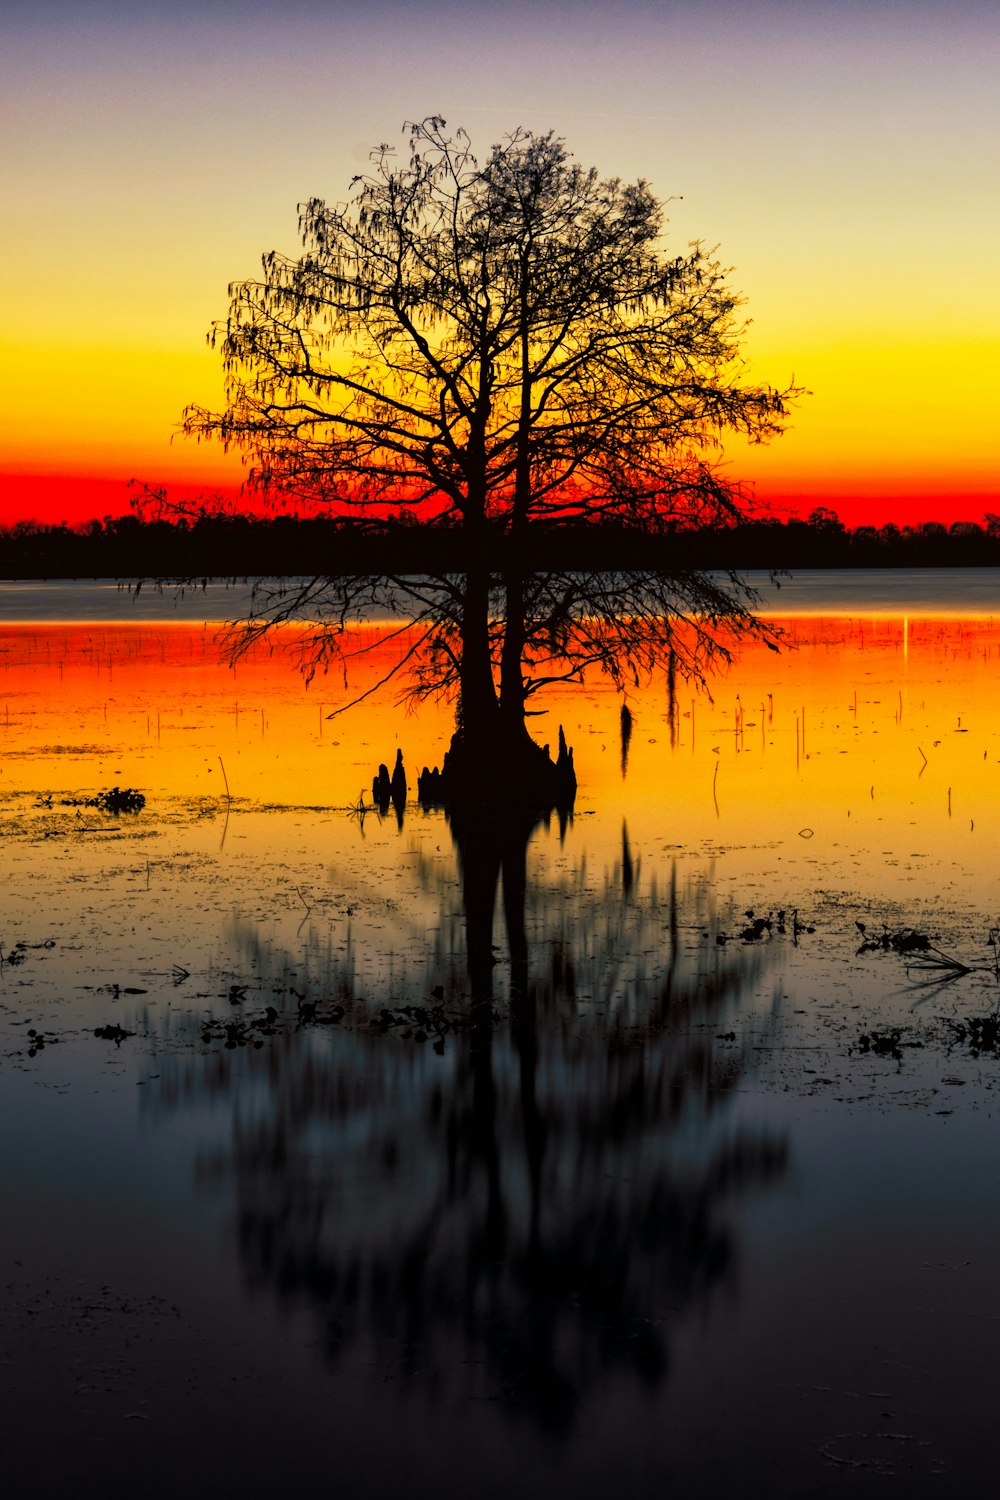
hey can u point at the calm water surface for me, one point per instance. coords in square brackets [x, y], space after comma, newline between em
[448, 1158]
[862, 591]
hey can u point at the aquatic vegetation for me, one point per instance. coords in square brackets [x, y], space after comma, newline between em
[885, 1043]
[979, 1034]
[251, 1032]
[116, 800]
[119, 799]
[904, 940]
[116, 1034]
[39, 1040]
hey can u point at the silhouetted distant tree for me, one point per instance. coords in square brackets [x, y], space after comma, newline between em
[825, 519]
[489, 347]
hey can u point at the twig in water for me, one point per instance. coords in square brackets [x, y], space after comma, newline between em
[360, 811]
[225, 779]
[937, 962]
[994, 942]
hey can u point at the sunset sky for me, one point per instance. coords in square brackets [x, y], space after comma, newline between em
[843, 155]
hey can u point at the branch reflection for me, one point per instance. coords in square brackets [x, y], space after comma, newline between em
[524, 1214]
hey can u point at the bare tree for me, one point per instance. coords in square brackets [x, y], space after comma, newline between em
[497, 351]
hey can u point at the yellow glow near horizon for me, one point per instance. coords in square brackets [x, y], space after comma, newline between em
[841, 156]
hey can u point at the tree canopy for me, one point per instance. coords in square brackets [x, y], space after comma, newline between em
[489, 347]
[511, 338]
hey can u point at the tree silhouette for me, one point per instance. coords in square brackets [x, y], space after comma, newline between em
[507, 353]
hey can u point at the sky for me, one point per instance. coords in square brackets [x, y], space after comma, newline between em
[842, 155]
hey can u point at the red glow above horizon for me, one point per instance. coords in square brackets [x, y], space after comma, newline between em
[74, 499]
[862, 235]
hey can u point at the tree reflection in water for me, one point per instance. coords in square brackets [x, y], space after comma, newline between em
[524, 1217]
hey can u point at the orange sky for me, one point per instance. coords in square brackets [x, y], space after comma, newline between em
[841, 155]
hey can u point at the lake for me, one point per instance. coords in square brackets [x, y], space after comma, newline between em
[651, 1151]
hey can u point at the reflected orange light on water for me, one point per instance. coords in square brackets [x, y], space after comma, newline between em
[158, 707]
[867, 747]
[862, 753]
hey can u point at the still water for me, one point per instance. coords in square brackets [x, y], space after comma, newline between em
[653, 1152]
[812, 591]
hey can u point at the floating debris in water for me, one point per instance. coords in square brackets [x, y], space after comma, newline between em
[885, 1043]
[116, 1034]
[761, 928]
[251, 1032]
[38, 1040]
[980, 1034]
[904, 940]
[119, 799]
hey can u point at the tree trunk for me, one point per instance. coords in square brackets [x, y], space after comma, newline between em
[479, 711]
[512, 696]
[493, 761]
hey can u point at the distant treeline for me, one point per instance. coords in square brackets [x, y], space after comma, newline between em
[244, 546]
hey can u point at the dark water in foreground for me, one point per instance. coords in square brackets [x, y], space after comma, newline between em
[496, 1158]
